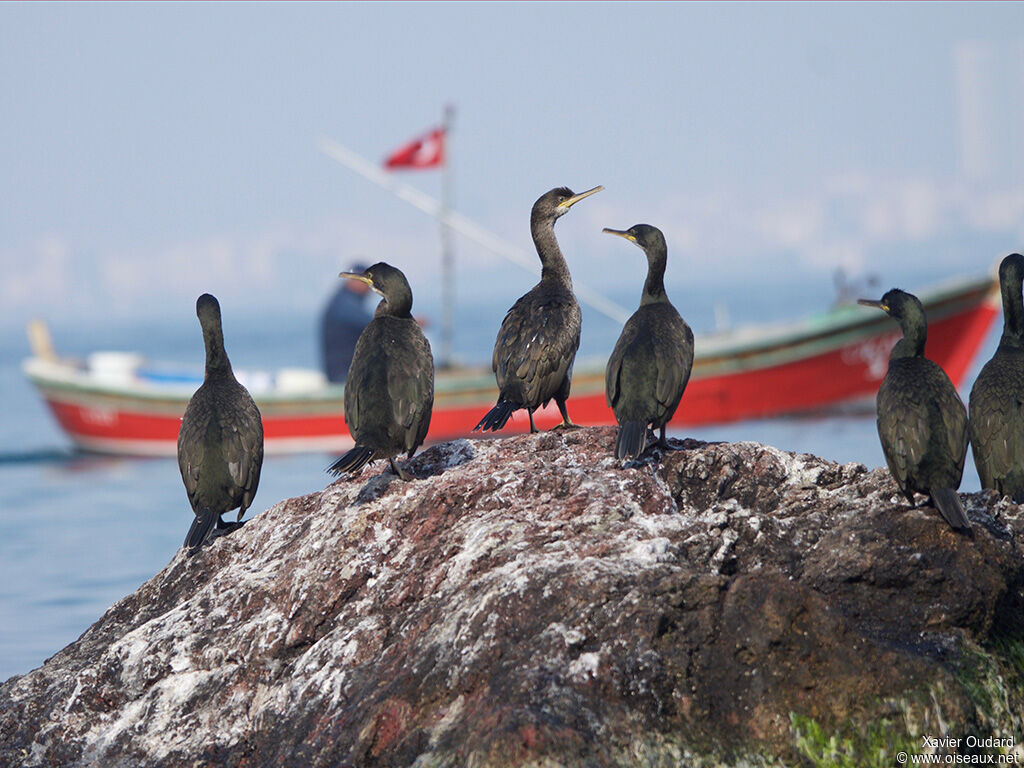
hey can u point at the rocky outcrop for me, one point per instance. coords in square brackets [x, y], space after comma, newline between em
[528, 601]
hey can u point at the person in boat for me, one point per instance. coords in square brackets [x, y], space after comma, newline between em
[344, 318]
[220, 442]
[922, 422]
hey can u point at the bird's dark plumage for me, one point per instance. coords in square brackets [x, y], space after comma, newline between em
[650, 365]
[538, 339]
[389, 391]
[997, 397]
[220, 443]
[922, 422]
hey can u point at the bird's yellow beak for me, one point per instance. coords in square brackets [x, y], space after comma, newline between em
[576, 198]
[620, 233]
[356, 276]
[872, 303]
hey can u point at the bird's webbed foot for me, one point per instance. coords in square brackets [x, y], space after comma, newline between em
[565, 425]
[566, 421]
[662, 441]
[402, 475]
[224, 527]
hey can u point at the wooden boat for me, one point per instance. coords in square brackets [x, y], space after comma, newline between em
[118, 403]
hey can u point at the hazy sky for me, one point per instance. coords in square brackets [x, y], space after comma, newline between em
[153, 152]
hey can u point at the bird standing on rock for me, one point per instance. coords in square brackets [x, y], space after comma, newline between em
[997, 397]
[922, 422]
[538, 338]
[650, 365]
[389, 391]
[220, 443]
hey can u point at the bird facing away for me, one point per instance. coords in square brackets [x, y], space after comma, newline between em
[922, 422]
[220, 443]
[997, 397]
[389, 391]
[539, 336]
[650, 365]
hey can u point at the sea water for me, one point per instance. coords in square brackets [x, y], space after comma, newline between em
[78, 532]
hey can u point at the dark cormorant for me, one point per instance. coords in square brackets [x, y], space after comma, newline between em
[997, 398]
[389, 392]
[539, 336]
[650, 365]
[921, 420]
[220, 443]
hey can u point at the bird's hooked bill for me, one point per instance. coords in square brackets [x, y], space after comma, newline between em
[872, 303]
[576, 198]
[620, 233]
[356, 276]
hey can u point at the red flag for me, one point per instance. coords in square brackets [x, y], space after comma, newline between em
[426, 151]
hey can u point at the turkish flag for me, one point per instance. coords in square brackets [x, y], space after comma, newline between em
[426, 151]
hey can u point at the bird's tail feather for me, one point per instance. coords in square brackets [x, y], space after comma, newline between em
[200, 530]
[948, 503]
[496, 418]
[631, 439]
[352, 461]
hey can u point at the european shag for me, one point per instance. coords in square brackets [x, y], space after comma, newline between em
[922, 422]
[389, 391]
[997, 398]
[650, 365]
[539, 336]
[220, 443]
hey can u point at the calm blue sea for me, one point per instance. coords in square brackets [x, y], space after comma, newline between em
[78, 532]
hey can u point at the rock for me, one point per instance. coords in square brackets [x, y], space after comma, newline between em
[527, 601]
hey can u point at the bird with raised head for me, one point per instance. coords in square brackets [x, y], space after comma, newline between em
[922, 422]
[538, 339]
[650, 365]
[389, 390]
[220, 442]
[997, 397]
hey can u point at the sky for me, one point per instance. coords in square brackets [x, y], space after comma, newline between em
[153, 152]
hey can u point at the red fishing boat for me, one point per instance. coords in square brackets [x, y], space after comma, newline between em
[118, 403]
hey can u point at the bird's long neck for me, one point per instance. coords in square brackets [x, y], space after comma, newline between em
[553, 266]
[217, 363]
[654, 285]
[915, 333]
[1013, 311]
[395, 305]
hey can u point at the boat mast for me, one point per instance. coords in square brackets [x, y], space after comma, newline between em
[447, 255]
